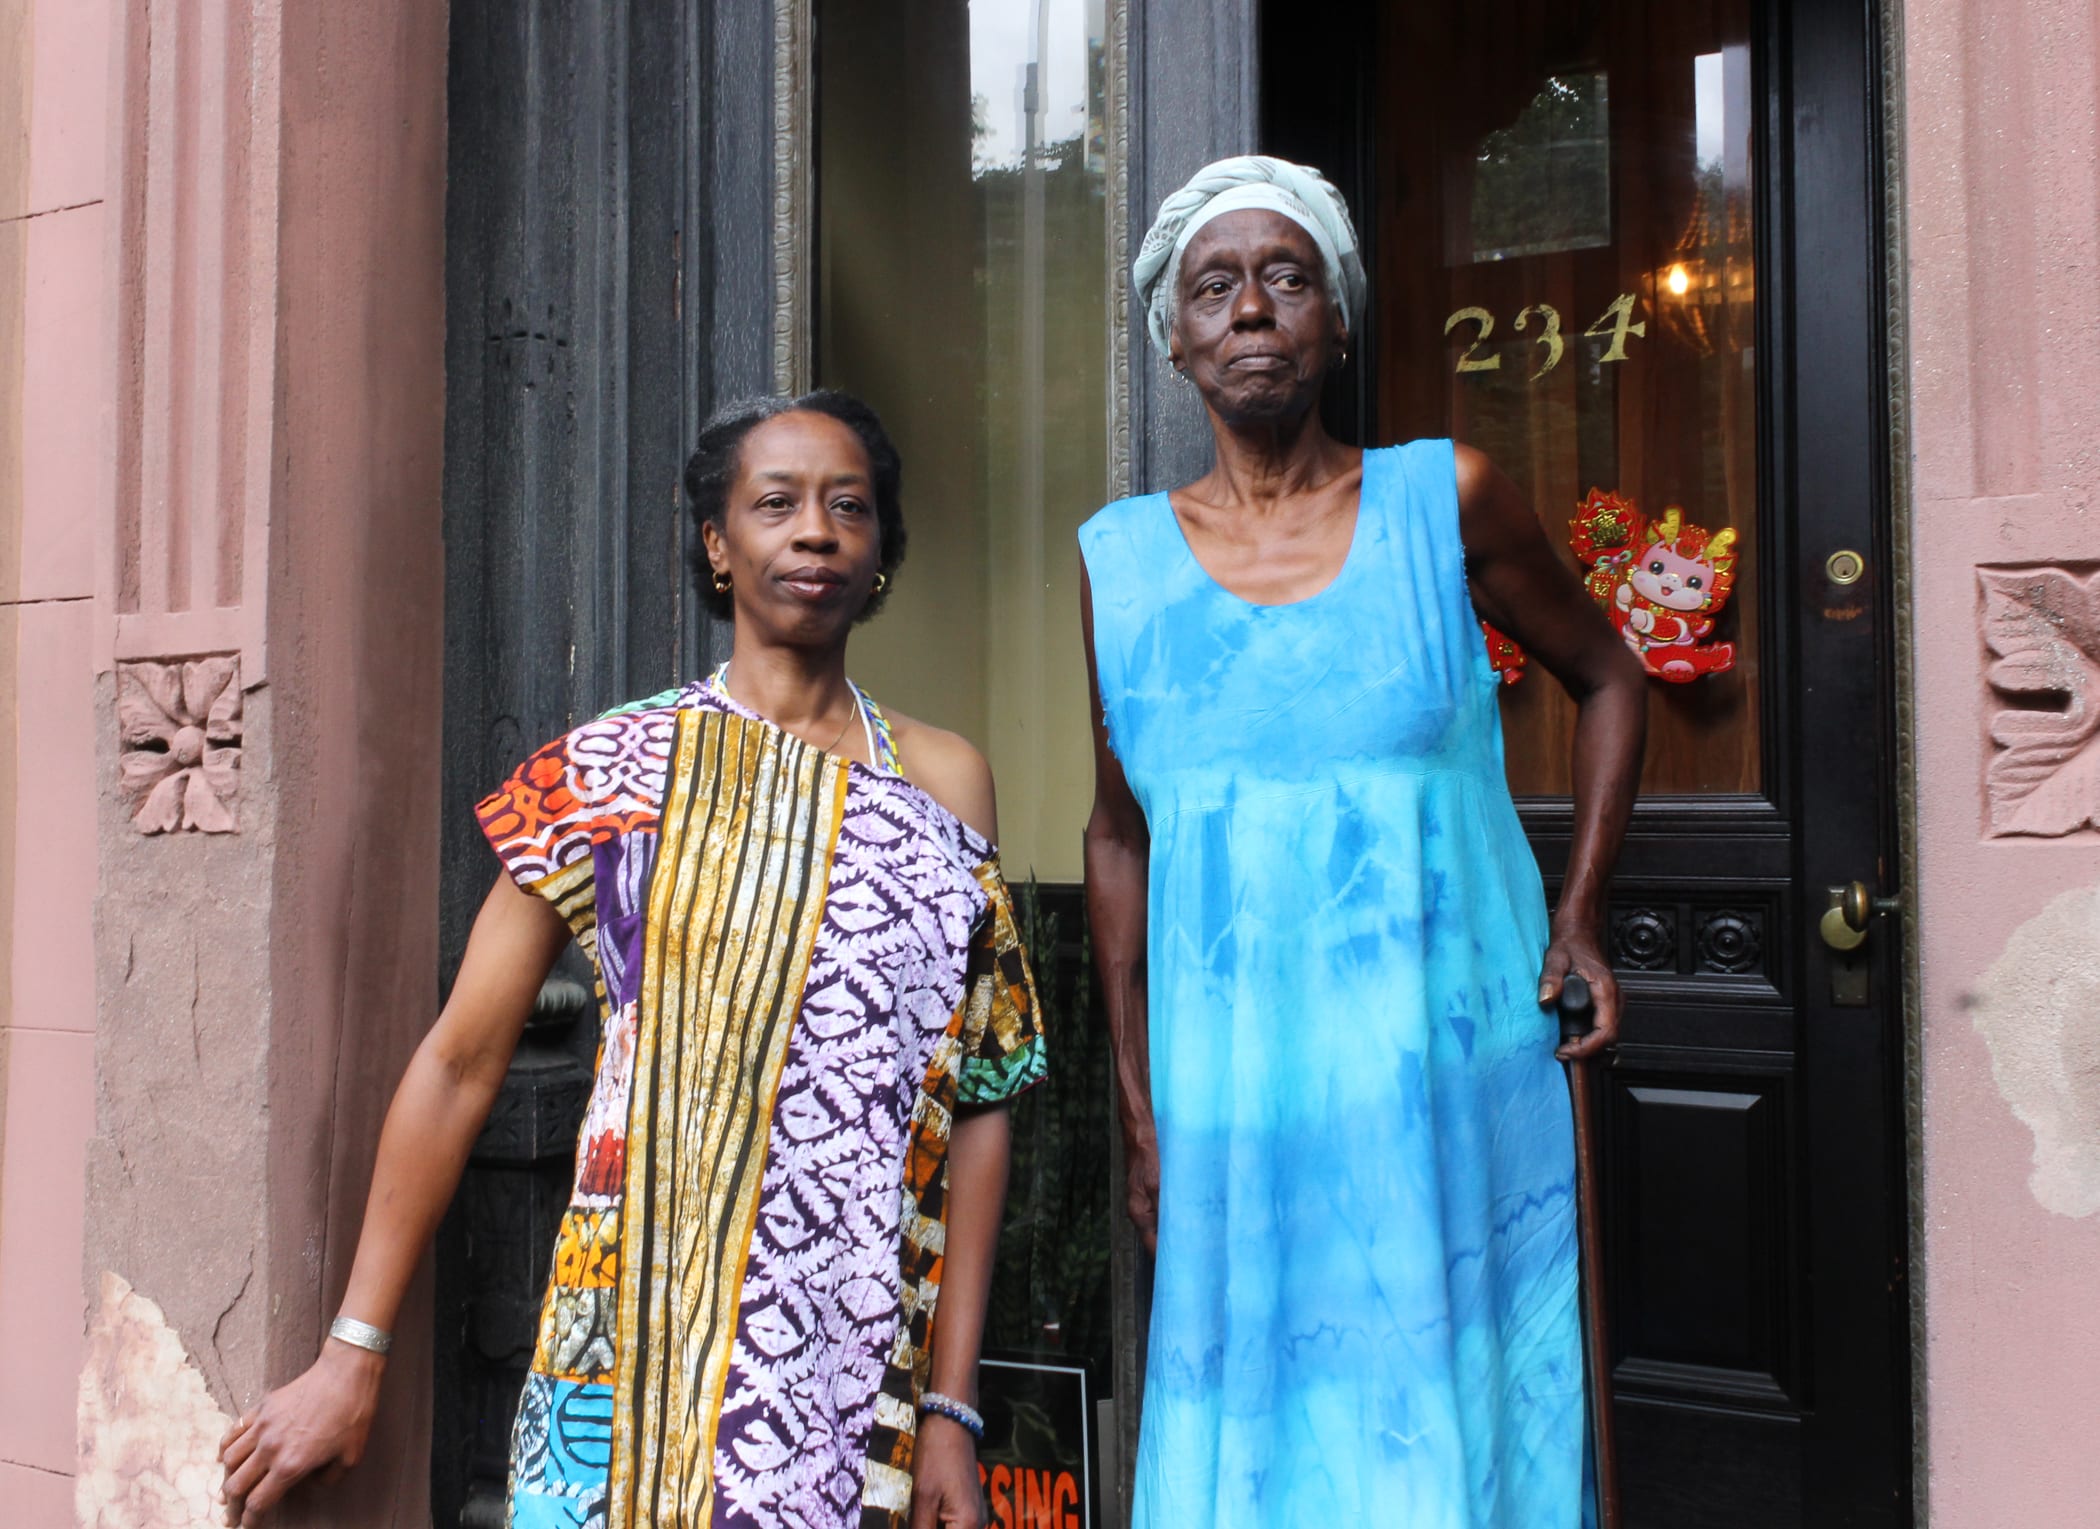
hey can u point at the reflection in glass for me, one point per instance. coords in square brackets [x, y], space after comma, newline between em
[1543, 184]
[1566, 280]
[962, 290]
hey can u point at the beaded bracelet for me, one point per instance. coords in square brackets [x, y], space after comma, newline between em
[955, 1411]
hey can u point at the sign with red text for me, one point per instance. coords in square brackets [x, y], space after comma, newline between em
[1037, 1459]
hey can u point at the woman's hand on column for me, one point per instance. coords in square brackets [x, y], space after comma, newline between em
[317, 1422]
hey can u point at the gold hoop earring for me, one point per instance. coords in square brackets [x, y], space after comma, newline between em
[721, 582]
[882, 582]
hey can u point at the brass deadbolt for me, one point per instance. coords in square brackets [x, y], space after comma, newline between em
[1845, 566]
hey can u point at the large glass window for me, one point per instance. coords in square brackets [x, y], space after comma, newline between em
[1566, 280]
[962, 289]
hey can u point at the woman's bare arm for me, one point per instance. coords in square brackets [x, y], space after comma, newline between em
[1521, 587]
[979, 1150]
[1118, 861]
[944, 1487]
[319, 1421]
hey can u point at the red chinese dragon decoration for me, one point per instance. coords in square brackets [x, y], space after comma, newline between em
[1661, 584]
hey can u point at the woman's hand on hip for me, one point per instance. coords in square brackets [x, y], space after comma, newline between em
[317, 1422]
[945, 1491]
[1579, 954]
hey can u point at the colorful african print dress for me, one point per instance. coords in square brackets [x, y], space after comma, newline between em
[804, 965]
[1364, 1305]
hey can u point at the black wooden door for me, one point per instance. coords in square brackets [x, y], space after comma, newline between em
[1637, 247]
[609, 194]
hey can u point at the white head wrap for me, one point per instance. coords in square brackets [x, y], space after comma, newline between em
[1299, 193]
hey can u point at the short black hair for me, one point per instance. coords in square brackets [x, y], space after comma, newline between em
[714, 464]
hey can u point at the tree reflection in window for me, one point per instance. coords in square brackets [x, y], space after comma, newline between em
[1543, 184]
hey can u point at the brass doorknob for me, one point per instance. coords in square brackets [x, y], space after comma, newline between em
[1851, 913]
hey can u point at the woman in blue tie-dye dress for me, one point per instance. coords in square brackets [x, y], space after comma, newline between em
[1323, 938]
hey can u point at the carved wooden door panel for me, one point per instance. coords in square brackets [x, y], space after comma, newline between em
[1636, 249]
[589, 325]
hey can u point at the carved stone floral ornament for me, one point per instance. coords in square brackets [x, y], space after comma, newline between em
[179, 741]
[2042, 626]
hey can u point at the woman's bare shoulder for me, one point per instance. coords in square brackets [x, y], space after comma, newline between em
[948, 768]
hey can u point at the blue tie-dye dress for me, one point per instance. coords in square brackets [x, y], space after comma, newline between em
[1365, 1305]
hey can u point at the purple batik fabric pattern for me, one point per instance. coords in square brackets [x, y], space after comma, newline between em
[820, 1299]
[881, 1036]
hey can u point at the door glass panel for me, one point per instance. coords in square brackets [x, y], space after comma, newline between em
[1566, 280]
[962, 268]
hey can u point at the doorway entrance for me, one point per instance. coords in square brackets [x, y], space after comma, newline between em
[1632, 252]
[1535, 182]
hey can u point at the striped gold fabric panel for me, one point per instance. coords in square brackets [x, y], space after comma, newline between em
[749, 825]
[573, 890]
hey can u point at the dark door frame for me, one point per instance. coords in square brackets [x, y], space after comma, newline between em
[599, 300]
[1824, 142]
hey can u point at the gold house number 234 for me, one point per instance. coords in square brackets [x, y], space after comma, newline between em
[1614, 324]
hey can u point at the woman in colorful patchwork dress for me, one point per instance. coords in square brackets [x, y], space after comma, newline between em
[770, 1284]
[1323, 940]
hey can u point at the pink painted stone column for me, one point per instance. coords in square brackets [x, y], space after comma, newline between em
[2000, 103]
[268, 639]
[53, 113]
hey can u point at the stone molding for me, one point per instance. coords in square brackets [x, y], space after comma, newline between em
[194, 294]
[272, 342]
[2042, 627]
[179, 744]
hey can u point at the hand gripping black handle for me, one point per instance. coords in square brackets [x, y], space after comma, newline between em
[1577, 1009]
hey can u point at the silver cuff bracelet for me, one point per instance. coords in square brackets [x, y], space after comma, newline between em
[361, 1334]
